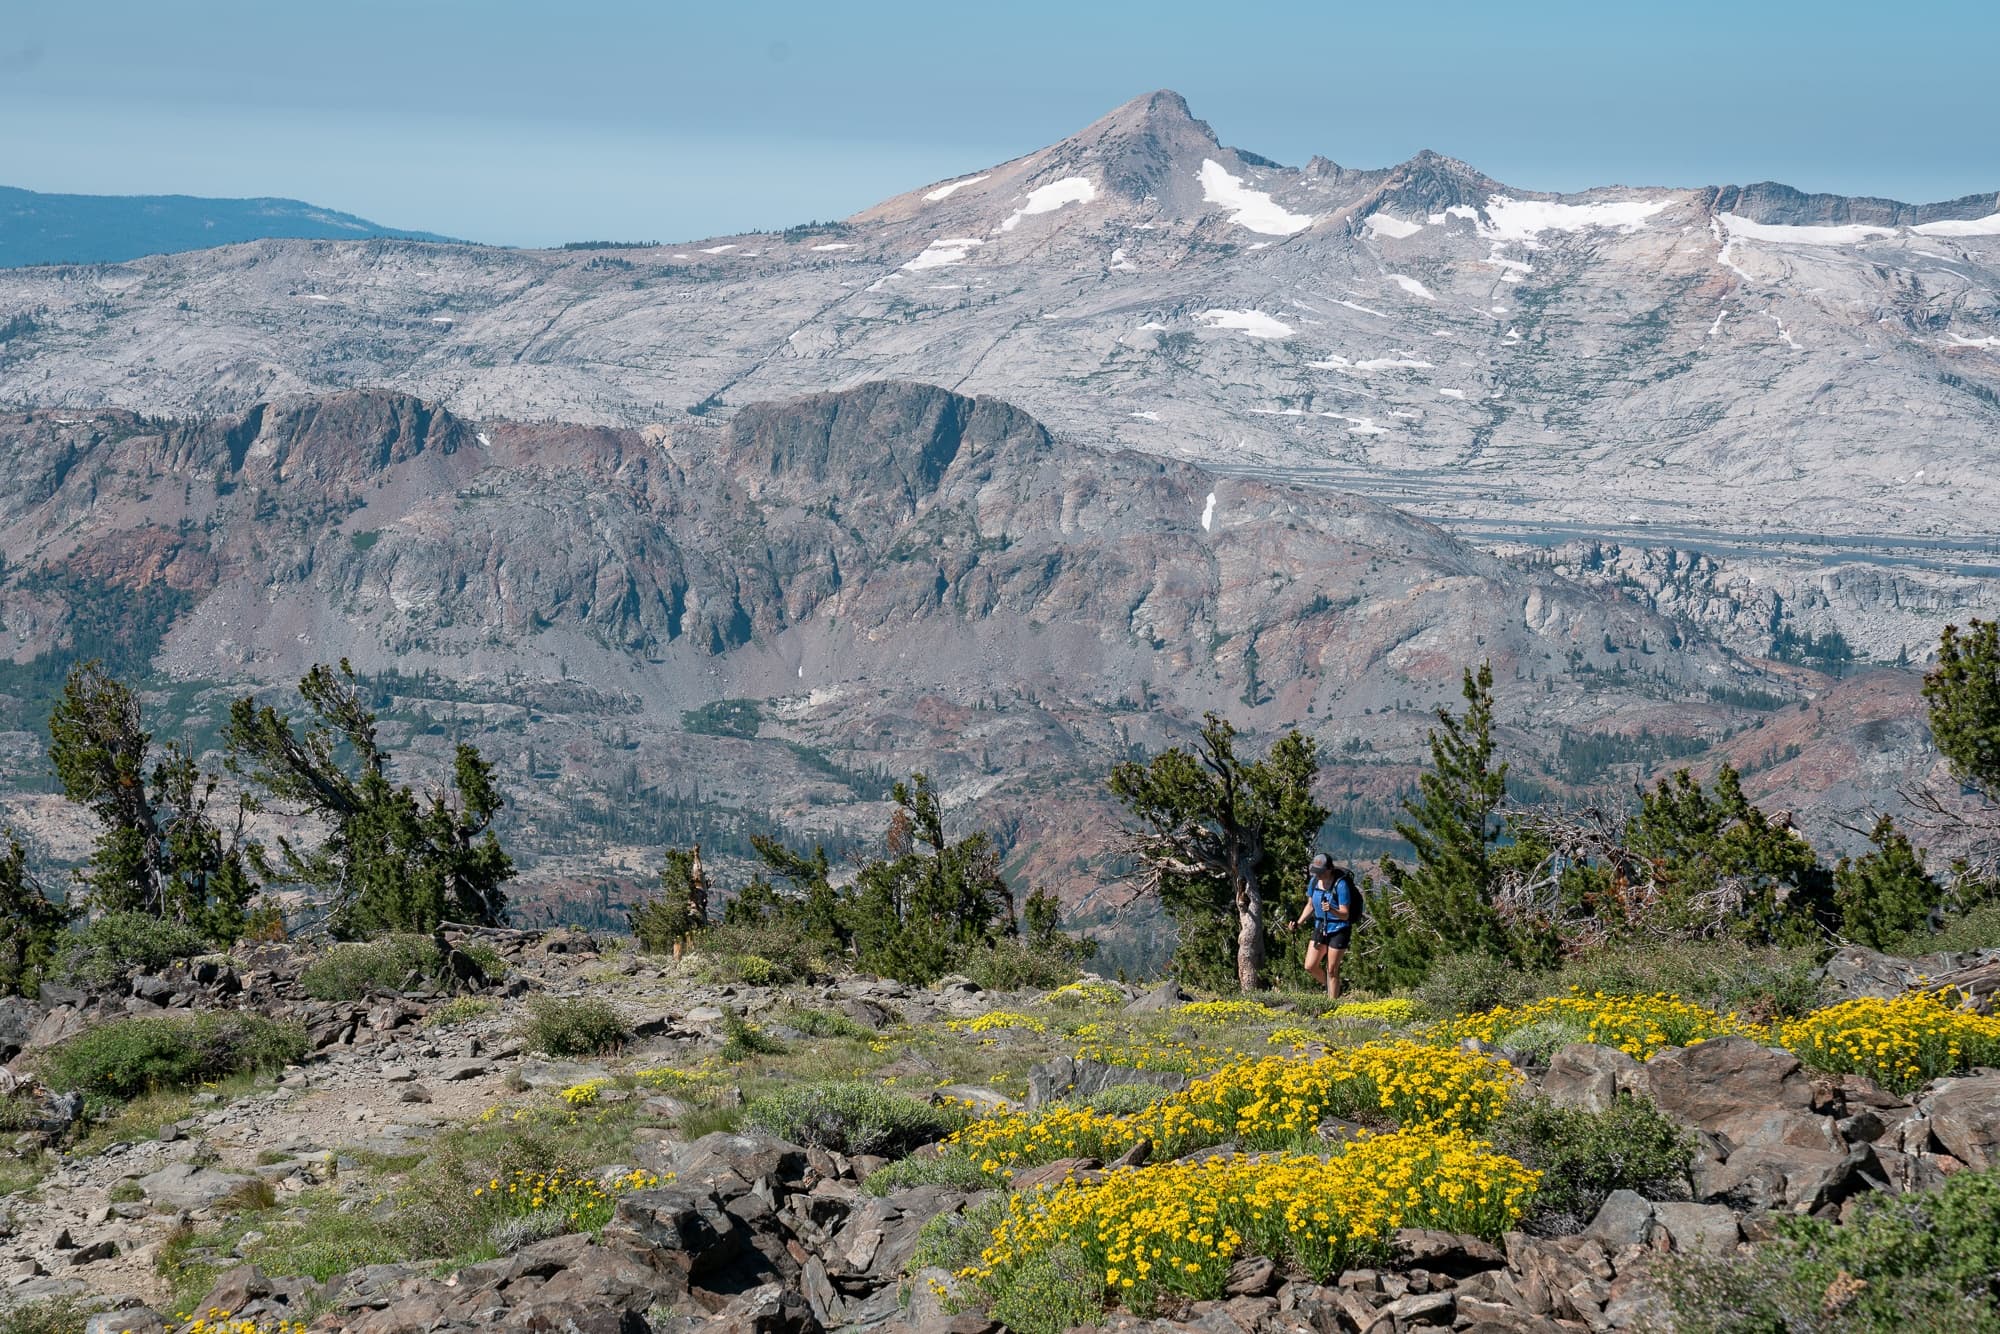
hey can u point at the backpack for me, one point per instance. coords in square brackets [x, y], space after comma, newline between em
[1356, 908]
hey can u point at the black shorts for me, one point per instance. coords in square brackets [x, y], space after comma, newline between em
[1335, 939]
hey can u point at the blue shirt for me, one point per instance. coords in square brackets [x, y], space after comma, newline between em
[1325, 904]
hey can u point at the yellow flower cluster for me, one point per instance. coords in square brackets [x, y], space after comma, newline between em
[1227, 1011]
[1635, 1025]
[1176, 1228]
[1187, 1058]
[1084, 993]
[217, 1321]
[1393, 1009]
[1267, 1102]
[585, 1203]
[1295, 1038]
[994, 1021]
[584, 1094]
[665, 1077]
[1899, 1043]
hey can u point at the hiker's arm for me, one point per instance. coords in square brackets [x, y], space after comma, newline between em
[1341, 902]
[1307, 914]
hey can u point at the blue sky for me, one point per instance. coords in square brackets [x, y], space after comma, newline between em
[533, 124]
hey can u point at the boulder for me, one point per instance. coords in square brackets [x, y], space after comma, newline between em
[1965, 1118]
[1070, 1077]
[1624, 1219]
[1711, 1081]
[749, 1156]
[18, 1017]
[186, 1186]
[1855, 972]
[1787, 1177]
[1589, 1078]
[684, 1233]
[130, 1320]
[1699, 1229]
[1450, 1253]
[1166, 996]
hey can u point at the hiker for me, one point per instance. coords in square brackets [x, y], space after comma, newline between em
[1333, 906]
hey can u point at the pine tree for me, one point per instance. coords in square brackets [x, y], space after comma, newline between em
[1215, 834]
[1885, 894]
[31, 924]
[1723, 865]
[390, 860]
[1963, 692]
[159, 849]
[1444, 897]
[917, 913]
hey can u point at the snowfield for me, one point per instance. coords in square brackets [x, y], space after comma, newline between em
[1252, 323]
[1251, 209]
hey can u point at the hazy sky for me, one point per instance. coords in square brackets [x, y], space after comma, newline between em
[524, 123]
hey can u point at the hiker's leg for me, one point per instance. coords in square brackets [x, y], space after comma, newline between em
[1315, 958]
[1333, 958]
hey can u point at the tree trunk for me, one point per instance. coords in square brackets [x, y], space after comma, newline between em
[1249, 931]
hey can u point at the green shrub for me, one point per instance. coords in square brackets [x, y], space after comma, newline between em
[574, 1027]
[825, 1023]
[1008, 965]
[314, 1239]
[349, 972]
[852, 1116]
[491, 962]
[757, 971]
[1125, 1099]
[1900, 1264]
[790, 955]
[1471, 983]
[127, 1057]
[742, 1039]
[952, 1242]
[1543, 1040]
[1759, 982]
[945, 1169]
[123, 942]
[460, 1010]
[1049, 1293]
[54, 1315]
[1584, 1156]
[1977, 928]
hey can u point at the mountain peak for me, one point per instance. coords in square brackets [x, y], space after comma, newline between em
[1144, 147]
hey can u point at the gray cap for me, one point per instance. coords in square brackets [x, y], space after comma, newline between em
[1321, 862]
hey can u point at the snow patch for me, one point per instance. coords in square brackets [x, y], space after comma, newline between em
[1388, 224]
[1959, 341]
[1986, 226]
[1121, 263]
[1251, 209]
[484, 439]
[1208, 512]
[1049, 198]
[1526, 219]
[315, 296]
[1411, 285]
[718, 249]
[949, 250]
[1363, 309]
[1742, 229]
[947, 191]
[1253, 323]
[1147, 416]
[1154, 325]
[1451, 393]
[836, 245]
[442, 319]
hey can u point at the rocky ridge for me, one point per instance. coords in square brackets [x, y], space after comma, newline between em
[753, 1233]
[1652, 366]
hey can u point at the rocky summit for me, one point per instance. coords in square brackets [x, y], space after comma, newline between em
[429, 1161]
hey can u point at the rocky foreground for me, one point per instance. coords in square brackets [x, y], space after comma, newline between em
[735, 1229]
